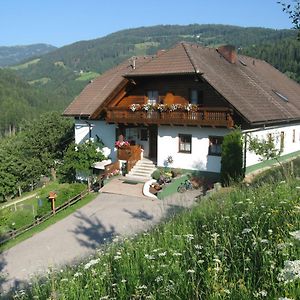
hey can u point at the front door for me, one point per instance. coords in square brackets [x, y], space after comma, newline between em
[153, 142]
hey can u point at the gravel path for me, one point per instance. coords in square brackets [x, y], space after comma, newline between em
[81, 233]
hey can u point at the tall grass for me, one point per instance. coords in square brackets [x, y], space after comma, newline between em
[231, 246]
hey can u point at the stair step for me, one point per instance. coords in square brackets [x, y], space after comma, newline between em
[137, 178]
[140, 173]
[149, 169]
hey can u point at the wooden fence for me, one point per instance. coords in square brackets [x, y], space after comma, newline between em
[13, 234]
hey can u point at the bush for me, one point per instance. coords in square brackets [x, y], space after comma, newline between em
[232, 157]
[64, 193]
[156, 174]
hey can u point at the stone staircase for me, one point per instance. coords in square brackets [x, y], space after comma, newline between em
[142, 170]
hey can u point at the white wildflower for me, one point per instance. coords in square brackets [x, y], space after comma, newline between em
[264, 241]
[123, 280]
[283, 246]
[117, 257]
[198, 247]
[77, 274]
[190, 271]
[290, 272]
[142, 287]
[295, 234]
[270, 231]
[162, 254]
[177, 254]
[150, 257]
[159, 279]
[200, 261]
[246, 230]
[285, 298]
[64, 280]
[189, 237]
[104, 297]
[260, 294]
[91, 263]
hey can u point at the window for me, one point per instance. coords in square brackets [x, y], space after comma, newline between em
[152, 97]
[294, 135]
[215, 145]
[144, 134]
[281, 140]
[185, 143]
[196, 96]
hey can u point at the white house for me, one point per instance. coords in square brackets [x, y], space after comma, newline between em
[179, 104]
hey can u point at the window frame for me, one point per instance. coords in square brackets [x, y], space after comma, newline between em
[151, 100]
[200, 96]
[211, 138]
[282, 141]
[180, 143]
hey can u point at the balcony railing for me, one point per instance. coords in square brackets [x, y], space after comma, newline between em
[205, 116]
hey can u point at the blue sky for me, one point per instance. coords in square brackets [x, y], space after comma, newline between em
[61, 22]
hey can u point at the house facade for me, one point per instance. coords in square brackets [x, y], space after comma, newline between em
[179, 104]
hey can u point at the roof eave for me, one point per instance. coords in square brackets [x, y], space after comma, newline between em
[159, 74]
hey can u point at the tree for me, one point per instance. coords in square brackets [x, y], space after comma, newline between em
[266, 149]
[232, 157]
[79, 159]
[294, 13]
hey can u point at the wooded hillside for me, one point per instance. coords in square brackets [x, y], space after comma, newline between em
[54, 79]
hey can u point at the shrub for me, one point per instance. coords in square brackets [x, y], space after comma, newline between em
[232, 157]
[156, 174]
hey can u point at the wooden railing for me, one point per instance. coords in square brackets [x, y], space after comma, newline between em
[111, 168]
[206, 116]
[14, 233]
[132, 154]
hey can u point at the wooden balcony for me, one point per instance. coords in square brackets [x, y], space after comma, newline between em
[205, 116]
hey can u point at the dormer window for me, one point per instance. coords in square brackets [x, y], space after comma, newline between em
[196, 96]
[152, 96]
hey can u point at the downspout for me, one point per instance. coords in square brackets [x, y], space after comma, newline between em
[245, 154]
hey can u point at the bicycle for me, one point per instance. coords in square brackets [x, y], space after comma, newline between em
[185, 186]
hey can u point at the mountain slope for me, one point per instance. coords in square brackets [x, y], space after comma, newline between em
[54, 79]
[283, 55]
[15, 54]
[19, 100]
[66, 70]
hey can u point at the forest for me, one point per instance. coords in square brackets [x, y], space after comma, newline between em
[53, 80]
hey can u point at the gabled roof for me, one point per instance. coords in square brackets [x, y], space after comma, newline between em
[249, 85]
[99, 89]
[259, 92]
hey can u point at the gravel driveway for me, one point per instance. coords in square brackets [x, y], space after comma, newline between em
[81, 233]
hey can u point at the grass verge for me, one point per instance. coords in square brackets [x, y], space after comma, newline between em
[57, 217]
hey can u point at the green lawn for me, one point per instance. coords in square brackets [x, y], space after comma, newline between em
[25, 213]
[57, 217]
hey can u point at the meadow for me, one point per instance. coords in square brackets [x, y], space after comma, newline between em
[241, 243]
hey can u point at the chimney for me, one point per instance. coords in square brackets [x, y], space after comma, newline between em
[229, 53]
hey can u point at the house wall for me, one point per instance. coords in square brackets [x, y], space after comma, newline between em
[290, 146]
[106, 132]
[168, 145]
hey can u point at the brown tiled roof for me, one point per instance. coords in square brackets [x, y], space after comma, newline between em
[99, 89]
[173, 61]
[249, 85]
